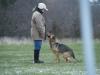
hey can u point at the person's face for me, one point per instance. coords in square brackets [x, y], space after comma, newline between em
[43, 10]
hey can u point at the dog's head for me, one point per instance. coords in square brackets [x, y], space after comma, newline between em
[51, 37]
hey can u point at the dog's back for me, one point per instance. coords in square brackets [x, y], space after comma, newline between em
[63, 48]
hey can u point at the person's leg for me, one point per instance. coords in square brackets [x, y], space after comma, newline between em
[37, 48]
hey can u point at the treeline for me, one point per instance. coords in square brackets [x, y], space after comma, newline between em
[62, 18]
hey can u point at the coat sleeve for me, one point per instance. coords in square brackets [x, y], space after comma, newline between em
[40, 25]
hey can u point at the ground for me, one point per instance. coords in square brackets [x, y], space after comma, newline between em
[16, 59]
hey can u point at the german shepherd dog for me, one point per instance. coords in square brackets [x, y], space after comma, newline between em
[59, 49]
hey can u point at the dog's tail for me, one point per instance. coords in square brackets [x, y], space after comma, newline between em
[73, 55]
[76, 60]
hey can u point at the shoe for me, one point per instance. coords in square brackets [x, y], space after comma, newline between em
[37, 62]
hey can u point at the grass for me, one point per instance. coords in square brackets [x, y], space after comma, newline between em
[16, 59]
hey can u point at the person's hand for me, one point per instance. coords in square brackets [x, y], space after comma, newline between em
[42, 35]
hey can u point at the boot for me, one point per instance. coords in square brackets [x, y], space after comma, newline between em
[36, 57]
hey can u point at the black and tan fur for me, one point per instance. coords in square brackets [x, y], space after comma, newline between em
[59, 49]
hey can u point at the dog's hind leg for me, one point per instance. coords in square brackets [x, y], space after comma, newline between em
[66, 60]
[70, 59]
[65, 56]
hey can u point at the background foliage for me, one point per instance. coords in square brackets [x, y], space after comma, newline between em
[62, 18]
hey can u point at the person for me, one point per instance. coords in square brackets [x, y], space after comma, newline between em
[38, 30]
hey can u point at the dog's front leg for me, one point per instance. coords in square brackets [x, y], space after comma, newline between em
[57, 58]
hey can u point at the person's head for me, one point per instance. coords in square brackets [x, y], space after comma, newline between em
[42, 7]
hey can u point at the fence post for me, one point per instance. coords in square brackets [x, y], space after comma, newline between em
[87, 36]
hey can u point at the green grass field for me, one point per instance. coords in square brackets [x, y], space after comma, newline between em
[17, 60]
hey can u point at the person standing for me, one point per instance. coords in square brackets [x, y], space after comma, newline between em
[38, 30]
